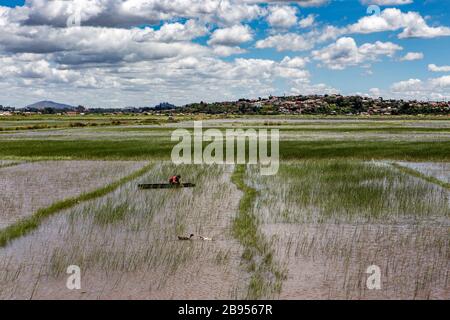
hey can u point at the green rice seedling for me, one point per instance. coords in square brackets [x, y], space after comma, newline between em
[84, 145]
[112, 213]
[126, 241]
[331, 219]
[8, 163]
[343, 190]
[266, 274]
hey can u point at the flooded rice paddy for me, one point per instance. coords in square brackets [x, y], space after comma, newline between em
[126, 244]
[324, 232]
[27, 187]
[318, 224]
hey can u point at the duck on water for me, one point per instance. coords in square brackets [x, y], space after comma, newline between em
[185, 238]
[192, 235]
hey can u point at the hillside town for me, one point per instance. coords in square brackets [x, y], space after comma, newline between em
[288, 105]
[318, 104]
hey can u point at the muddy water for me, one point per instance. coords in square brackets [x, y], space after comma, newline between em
[328, 258]
[138, 257]
[27, 187]
[330, 261]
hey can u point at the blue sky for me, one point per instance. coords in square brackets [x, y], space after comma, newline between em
[120, 53]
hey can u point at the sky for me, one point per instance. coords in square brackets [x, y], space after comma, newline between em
[119, 53]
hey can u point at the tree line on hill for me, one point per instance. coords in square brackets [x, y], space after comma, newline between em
[300, 104]
[316, 105]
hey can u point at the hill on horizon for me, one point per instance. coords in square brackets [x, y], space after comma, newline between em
[41, 105]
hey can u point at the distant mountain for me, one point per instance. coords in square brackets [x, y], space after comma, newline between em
[41, 105]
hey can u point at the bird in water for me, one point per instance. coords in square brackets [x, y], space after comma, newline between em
[185, 238]
[205, 238]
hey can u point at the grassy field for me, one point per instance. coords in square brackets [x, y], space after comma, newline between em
[149, 138]
[161, 148]
[350, 193]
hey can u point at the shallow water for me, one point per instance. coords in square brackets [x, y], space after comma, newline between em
[27, 187]
[330, 261]
[138, 257]
[328, 258]
[438, 170]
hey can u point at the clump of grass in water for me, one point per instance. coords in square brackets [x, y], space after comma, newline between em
[267, 277]
[111, 213]
[9, 164]
[222, 257]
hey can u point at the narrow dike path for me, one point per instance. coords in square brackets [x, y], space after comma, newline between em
[266, 274]
[420, 175]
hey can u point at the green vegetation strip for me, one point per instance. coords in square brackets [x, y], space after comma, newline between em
[26, 225]
[366, 150]
[291, 129]
[45, 126]
[420, 175]
[155, 148]
[368, 129]
[266, 276]
[12, 164]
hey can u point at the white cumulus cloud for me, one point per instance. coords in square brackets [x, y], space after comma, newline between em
[433, 89]
[434, 68]
[284, 42]
[386, 2]
[308, 21]
[345, 52]
[231, 36]
[301, 3]
[412, 24]
[282, 16]
[411, 56]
